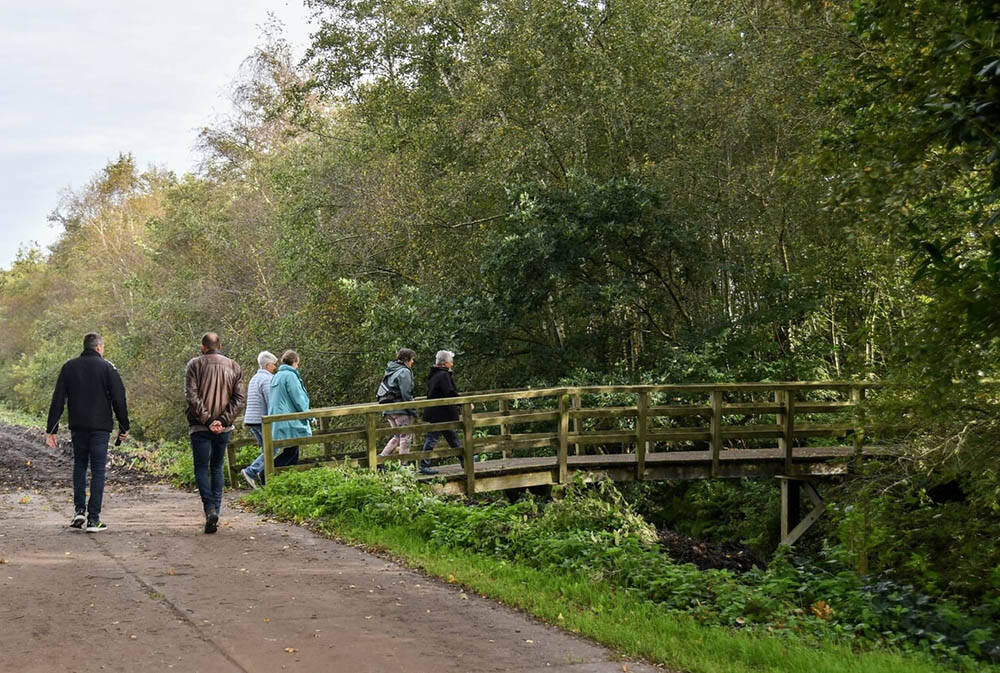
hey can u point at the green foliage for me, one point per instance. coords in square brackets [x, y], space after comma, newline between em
[896, 526]
[718, 510]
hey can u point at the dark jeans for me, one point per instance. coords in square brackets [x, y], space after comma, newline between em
[209, 451]
[288, 456]
[431, 438]
[89, 447]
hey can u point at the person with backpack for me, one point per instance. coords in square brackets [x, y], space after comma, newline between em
[397, 386]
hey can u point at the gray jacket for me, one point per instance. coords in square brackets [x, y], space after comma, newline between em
[399, 377]
[258, 396]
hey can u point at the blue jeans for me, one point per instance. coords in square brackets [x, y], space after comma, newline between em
[209, 451]
[431, 438]
[89, 447]
[288, 456]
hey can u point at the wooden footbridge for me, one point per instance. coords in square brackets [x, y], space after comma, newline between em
[795, 432]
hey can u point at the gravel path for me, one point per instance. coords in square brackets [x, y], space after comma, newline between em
[154, 593]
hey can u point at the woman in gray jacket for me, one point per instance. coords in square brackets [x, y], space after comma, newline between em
[258, 392]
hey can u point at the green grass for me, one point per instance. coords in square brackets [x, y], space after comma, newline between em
[616, 617]
[635, 628]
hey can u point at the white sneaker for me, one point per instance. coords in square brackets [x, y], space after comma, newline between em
[248, 479]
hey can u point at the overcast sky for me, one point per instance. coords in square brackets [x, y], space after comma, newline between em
[84, 81]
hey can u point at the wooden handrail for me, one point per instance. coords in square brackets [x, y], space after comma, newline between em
[535, 393]
[563, 411]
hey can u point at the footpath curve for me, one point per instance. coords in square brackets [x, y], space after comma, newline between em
[154, 593]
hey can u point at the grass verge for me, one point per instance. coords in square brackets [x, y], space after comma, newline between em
[611, 615]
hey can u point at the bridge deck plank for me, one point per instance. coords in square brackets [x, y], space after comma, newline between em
[740, 461]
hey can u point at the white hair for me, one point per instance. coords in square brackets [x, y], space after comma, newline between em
[442, 357]
[265, 358]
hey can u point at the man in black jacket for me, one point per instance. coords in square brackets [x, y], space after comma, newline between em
[94, 390]
[440, 384]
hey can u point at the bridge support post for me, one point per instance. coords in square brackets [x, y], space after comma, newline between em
[793, 524]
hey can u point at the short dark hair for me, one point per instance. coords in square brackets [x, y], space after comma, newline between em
[211, 341]
[405, 355]
[91, 341]
[289, 357]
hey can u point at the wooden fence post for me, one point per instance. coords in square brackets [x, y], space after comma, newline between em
[857, 398]
[641, 431]
[786, 419]
[234, 473]
[716, 430]
[563, 454]
[265, 431]
[324, 427]
[506, 451]
[470, 465]
[372, 441]
[575, 423]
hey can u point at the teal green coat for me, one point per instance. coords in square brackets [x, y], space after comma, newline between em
[288, 396]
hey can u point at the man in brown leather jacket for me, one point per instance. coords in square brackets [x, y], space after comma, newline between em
[213, 386]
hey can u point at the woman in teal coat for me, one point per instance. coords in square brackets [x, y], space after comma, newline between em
[288, 396]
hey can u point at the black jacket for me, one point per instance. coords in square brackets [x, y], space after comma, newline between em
[94, 388]
[441, 384]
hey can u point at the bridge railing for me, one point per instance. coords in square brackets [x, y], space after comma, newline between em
[646, 420]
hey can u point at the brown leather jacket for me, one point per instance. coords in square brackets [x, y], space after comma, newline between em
[213, 386]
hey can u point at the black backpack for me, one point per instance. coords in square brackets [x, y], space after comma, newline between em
[388, 391]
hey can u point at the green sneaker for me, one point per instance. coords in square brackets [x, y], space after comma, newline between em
[96, 526]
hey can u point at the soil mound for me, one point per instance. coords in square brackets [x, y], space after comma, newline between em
[27, 462]
[723, 556]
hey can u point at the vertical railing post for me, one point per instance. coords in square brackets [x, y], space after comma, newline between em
[372, 440]
[505, 438]
[716, 430]
[467, 458]
[641, 431]
[324, 427]
[265, 431]
[231, 459]
[563, 454]
[575, 423]
[857, 398]
[786, 421]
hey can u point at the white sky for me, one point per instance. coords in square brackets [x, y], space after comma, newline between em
[82, 81]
